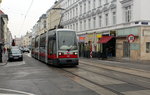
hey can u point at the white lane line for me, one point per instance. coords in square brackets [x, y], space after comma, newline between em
[19, 92]
[15, 63]
[9, 94]
[28, 54]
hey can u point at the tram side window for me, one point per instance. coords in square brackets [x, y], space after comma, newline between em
[52, 46]
[42, 44]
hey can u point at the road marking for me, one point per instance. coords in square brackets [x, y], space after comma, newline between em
[15, 63]
[14, 91]
[28, 54]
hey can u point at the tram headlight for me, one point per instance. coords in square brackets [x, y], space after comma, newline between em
[75, 53]
[60, 53]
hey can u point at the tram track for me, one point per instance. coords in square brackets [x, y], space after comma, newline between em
[83, 67]
[114, 77]
[111, 63]
[92, 82]
[101, 85]
[132, 78]
[134, 72]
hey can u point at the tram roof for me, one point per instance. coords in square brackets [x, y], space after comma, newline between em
[61, 29]
[64, 30]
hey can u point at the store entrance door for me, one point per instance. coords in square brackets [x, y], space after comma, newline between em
[126, 49]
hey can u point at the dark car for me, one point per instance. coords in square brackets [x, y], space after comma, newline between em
[26, 50]
[15, 54]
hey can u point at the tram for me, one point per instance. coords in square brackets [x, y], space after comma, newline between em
[56, 47]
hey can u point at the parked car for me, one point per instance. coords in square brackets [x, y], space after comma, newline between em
[14, 47]
[26, 50]
[15, 54]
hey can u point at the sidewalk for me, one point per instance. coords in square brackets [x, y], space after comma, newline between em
[127, 60]
[4, 58]
[125, 63]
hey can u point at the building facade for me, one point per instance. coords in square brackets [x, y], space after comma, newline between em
[26, 40]
[104, 26]
[54, 15]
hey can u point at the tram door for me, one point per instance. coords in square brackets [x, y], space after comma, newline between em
[126, 49]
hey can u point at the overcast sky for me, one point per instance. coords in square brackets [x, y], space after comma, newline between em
[23, 14]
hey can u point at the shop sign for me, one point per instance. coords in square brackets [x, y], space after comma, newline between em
[127, 31]
[81, 38]
[131, 38]
[90, 35]
[99, 35]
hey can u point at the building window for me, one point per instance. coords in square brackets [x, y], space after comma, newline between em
[70, 26]
[114, 18]
[77, 11]
[80, 9]
[84, 24]
[127, 13]
[70, 14]
[80, 25]
[147, 47]
[106, 19]
[73, 26]
[89, 23]
[85, 7]
[73, 12]
[89, 5]
[100, 2]
[44, 24]
[76, 26]
[100, 21]
[94, 22]
[106, 1]
[94, 5]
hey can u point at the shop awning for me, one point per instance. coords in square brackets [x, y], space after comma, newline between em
[105, 39]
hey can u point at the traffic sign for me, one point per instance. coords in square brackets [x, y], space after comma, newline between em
[131, 38]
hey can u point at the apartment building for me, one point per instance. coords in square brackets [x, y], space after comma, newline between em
[54, 15]
[104, 27]
[5, 34]
[26, 40]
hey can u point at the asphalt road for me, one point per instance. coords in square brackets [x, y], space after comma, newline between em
[31, 77]
[91, 77]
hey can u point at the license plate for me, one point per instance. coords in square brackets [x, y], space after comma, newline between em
[16, 57]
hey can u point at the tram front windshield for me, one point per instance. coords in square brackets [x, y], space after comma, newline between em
[67, 40]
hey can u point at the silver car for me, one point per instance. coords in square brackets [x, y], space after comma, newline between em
[15, 54]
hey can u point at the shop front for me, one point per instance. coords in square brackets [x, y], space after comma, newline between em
[81, 44]
[108, 46]
[126, 47]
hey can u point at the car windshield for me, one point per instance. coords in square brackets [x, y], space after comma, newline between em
[15, 51]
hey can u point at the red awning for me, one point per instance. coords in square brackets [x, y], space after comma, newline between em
[105, 39]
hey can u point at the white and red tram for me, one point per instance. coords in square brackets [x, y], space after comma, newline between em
[57, 47]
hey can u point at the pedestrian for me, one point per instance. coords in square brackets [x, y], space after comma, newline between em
[4, 50]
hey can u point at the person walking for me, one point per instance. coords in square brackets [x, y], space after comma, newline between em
[4, 50]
